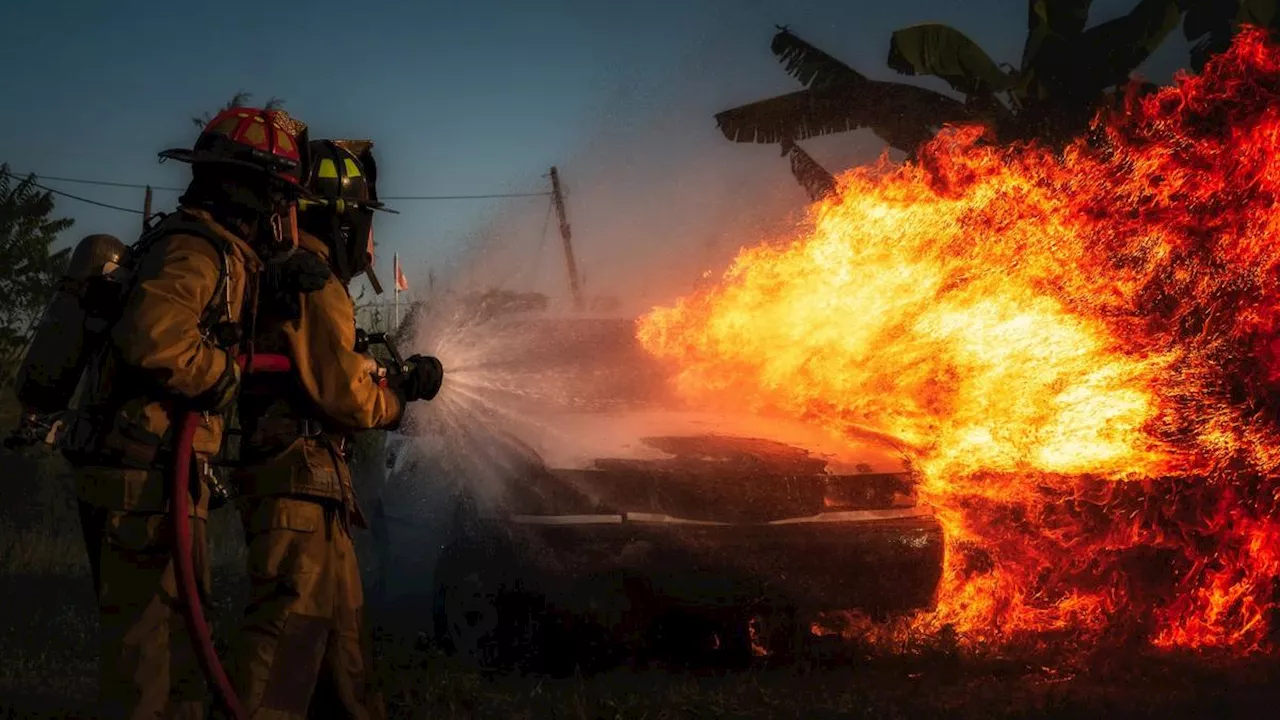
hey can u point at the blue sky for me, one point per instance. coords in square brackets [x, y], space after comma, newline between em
[468, 97]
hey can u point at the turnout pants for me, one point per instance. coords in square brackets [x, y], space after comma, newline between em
[303, 644]
[148, 664]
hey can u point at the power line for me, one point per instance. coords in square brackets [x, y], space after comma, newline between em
[87, 200]
[108, 183]
[70, 196]
[141, 186]
[466, 197]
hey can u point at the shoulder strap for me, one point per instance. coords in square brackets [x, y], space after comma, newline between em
[169, 227]
[218, 303]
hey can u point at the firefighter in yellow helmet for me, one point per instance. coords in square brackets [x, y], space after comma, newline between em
[171, 347]
[303, 642]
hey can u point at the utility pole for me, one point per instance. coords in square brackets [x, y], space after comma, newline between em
[395, 265]
[146, 211]
[558, 196]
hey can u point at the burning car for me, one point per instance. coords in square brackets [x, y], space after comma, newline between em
[587, 503]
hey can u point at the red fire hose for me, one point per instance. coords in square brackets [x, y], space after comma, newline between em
[184, 568]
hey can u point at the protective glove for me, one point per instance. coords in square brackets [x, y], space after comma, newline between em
[422, 379]
[287, 279]
[222, 393]
[298, 272]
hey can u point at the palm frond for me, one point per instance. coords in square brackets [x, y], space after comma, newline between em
[1209, 16]
[1262, 13]
[902, 115]
[815, 179]
[1050, 20]
[946, 53]
[809, 65]
[1105, 54]
[1210, 25]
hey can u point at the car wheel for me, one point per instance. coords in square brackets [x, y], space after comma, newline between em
[734, 639]
[478, 615]
[784, 633]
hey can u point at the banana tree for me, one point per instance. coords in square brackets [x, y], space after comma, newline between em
[838, 98]
[1064, 74]
[1210, 24]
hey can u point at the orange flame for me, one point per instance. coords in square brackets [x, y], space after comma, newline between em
[1077, 344]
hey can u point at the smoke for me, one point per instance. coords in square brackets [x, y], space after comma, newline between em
[654, 205]
[656, 197]
[649, 215]
[658, 202]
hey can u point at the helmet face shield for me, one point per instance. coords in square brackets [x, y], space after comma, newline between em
[369, 258]
[360, 240]
[342, 178]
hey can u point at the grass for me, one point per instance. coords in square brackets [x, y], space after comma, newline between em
[427, 684]
[48, 654]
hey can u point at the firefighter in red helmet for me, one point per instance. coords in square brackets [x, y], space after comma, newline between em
[172, 348]
[303, 642]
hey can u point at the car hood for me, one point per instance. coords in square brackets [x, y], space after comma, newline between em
[589, 441]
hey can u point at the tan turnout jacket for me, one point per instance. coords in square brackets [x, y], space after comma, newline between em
[331, 384]
[159, 353]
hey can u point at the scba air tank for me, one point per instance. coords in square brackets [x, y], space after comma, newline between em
[74, 324]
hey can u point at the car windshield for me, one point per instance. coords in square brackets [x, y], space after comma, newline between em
[572, 364]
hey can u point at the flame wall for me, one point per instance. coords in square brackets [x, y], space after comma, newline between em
[1079, 344]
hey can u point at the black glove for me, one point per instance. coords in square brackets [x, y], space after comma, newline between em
[421, 380]
[222, 393]
[298, 272]
[285, 280]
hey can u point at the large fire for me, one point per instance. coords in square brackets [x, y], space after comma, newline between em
[1079, 346]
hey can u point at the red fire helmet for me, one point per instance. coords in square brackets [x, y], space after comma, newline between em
[269, 141]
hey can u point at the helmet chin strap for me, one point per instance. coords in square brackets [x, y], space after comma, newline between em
[292, 227]
[338, 248]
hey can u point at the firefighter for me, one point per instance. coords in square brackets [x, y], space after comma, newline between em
[303, 642]
[171, 348]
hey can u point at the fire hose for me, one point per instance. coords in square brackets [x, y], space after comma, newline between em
[184, 568]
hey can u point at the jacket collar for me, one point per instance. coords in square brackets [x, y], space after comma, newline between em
[241, 247]
[311, 243]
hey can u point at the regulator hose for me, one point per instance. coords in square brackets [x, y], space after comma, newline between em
[184, 568]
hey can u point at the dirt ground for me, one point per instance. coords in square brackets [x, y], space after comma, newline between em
[48, 656]
[47, 663]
